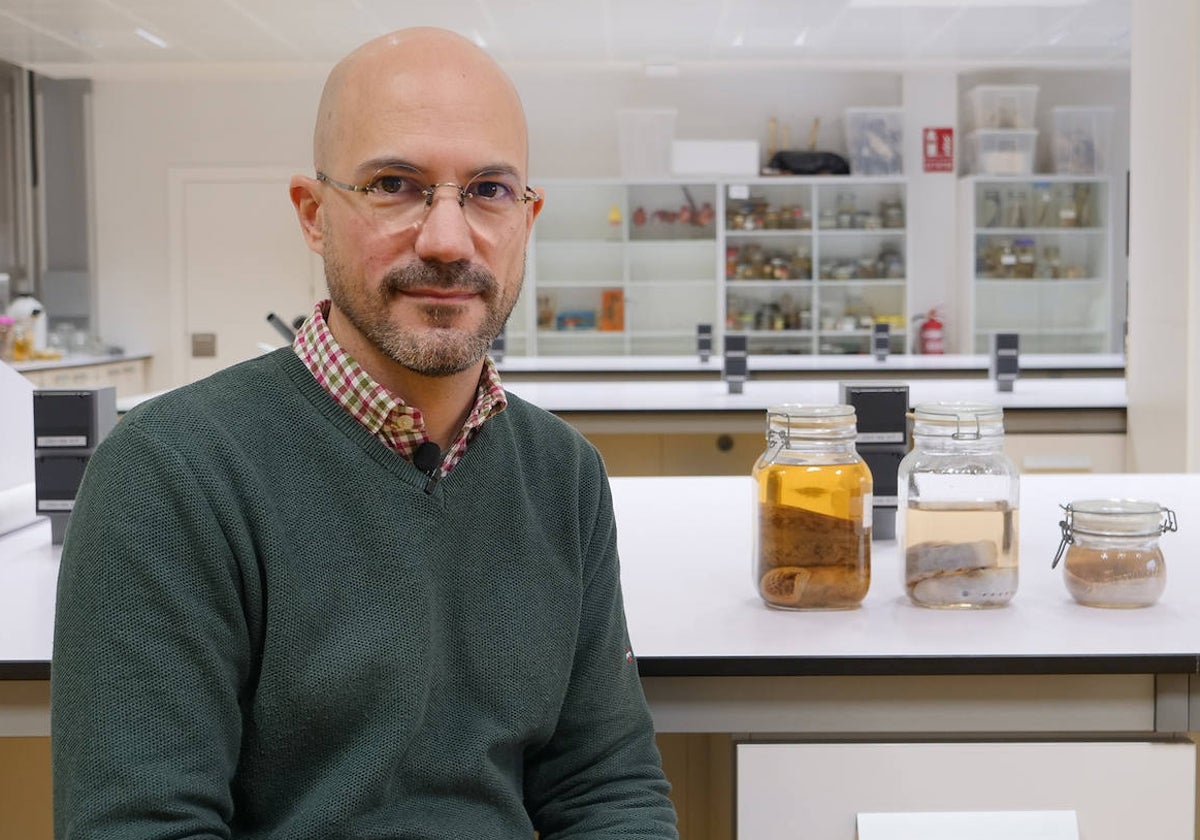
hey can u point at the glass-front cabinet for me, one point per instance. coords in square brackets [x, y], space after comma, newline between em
[799, 265]
[812, 265]
[622, 268]
[1037, 252]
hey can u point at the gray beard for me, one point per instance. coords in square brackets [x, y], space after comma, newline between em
[435, 351]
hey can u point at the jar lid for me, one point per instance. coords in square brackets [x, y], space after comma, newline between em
[803, 420]
[959, 420]
[1119, 517]
[1113, 518]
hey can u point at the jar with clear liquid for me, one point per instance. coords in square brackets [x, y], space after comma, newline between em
[812, 535]
[957, 508]
[1112, 553]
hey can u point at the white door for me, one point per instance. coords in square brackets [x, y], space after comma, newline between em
[238, 255]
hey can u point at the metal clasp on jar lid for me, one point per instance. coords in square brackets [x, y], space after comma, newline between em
[958, 420]
[1113, 518]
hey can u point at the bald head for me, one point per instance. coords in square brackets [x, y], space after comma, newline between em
[411, 70]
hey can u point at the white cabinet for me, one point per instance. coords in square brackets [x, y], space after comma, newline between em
[812, 264]
[621, 268]
[129, 376]
[1117, 789]
[1036, 254]
[799, 265]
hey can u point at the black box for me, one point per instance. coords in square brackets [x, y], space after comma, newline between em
[881, 415]
[68, 425]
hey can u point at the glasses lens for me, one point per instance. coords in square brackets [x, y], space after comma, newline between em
[491, 196]
[396, 195]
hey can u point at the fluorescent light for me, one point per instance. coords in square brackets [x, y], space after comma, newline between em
[661, 70]
[801, 37]
[961, 4]
[152, 38]
[739, 39]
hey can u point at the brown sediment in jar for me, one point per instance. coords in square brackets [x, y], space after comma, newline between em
[810, 560]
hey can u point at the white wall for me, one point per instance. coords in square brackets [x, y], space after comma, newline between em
[144, 128]
[1163, 368]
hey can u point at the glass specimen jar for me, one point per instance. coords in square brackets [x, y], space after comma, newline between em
[957, 506]
[812, 539]
[1112, 553]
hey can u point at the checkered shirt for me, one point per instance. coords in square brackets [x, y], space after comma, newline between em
[398, 426]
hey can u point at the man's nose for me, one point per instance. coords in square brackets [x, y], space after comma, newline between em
[444, 232]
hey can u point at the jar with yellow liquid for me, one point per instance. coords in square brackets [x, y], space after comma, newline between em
[812, 536]
[957, 501]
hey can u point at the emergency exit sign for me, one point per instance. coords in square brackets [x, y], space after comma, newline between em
[938, 149]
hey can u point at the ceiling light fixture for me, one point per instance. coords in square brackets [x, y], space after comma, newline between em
[961, 4]
[661, 70]
[152, 38]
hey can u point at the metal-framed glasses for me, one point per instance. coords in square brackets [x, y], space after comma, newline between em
[399, 196]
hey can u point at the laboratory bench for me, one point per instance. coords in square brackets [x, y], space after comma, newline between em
[1040, 705]
[796, 366]
[128, 372]
[646, 427]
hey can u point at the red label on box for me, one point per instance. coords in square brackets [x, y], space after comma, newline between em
[937, 146]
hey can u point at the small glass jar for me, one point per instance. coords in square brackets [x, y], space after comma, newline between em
[1112, 553]
[812, 539]
[957, 504]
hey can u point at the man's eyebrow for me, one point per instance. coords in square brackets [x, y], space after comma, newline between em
[369, 167]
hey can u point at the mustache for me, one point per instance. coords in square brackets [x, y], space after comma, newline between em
[430, 274]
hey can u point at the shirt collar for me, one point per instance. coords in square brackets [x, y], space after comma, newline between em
[384, 414]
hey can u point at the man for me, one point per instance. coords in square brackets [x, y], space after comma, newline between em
[352, 589]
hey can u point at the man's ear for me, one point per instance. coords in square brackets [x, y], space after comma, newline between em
[307, 202]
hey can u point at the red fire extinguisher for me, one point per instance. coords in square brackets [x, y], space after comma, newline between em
[931, 337]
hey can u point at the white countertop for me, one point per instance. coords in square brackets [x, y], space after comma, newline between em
[758, 395]
[685, 556]
[685, 548]
[77, 360]
[799, 363]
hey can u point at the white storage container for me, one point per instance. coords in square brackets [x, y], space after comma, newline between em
[1003, 106]
[875, 140]
[1003, 152]
[1081, 139]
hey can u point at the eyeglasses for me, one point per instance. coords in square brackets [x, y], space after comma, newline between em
[399, 196]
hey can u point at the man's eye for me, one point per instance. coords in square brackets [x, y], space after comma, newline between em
[492, 190]
[395, 184]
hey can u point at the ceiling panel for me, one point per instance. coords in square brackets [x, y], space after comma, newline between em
[94, 33]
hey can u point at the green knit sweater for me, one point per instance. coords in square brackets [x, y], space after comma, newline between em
[266, 628]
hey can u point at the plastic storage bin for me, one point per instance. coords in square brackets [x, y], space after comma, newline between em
[1003, 152]
[875, 140]
[1003, 106]
[645, 136]
[1081, 139]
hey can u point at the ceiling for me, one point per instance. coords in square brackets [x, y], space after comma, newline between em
[90, 37]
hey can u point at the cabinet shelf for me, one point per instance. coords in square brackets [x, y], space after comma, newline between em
[769, 233]
[671, 278]
[861, 233]
[1070, 313]
[1017, 232]
[790, 283]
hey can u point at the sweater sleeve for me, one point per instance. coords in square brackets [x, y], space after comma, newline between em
[150, 649]
[600, 776]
